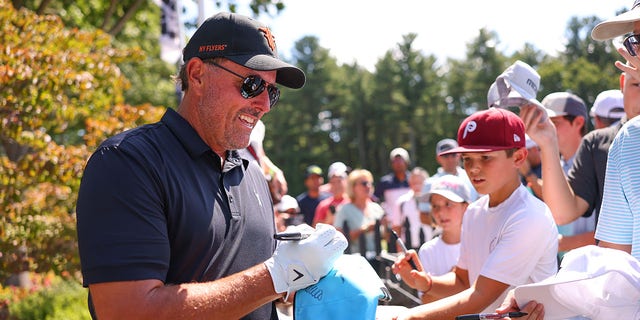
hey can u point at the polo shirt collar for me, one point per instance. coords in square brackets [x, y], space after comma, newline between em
[191, 141]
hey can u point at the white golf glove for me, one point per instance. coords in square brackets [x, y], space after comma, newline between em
[298, 264]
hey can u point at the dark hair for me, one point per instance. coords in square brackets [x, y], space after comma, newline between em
[608, 121]
[511, 151]
[570, 118]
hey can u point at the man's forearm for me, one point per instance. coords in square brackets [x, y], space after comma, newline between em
[227, 298]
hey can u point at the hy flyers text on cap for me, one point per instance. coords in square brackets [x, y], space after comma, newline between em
[244, 41]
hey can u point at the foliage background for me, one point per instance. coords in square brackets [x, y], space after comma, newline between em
[75, 72]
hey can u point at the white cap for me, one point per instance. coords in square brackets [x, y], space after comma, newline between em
[608, 104]
[518, 82]
[618, 25]
[401, 152]
[451, 187]
[337, 169]
[286, 203]
[595, 282]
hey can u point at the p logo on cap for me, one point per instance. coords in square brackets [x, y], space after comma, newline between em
[490, 130]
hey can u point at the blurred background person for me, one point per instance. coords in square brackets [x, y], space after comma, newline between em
[405, 219]
[309, 199]
[395, 183]
[361, 215]
[326, 209]
[607, 109]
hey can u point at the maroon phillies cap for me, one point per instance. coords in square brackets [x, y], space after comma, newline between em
[242, 40]
[490, 130]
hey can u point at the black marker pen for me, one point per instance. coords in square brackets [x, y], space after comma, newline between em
[404, 249]
[291, 236]
[480, 316]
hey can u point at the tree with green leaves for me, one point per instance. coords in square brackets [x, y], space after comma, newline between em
[62, 95]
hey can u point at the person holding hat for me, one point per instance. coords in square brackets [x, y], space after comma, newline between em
[580, 192]
[508, 236]
[171, 222]
[568, 113]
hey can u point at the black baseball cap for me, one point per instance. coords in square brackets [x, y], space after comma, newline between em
[244, 41]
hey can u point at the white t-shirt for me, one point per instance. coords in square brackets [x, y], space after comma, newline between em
[515, 242]
[438, 257]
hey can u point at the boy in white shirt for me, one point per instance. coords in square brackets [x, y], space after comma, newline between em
[509, 237]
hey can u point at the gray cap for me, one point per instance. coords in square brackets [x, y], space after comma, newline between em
[564, 103]
[445, 145]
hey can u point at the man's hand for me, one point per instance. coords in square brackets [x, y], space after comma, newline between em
[298, 264]
[628, 68]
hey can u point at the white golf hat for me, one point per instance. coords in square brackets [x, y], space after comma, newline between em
[608, 104]
[594, 282]
[518, 82]
[618, 25]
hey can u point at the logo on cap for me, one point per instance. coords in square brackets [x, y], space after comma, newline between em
[470, 127]
[532, 84]
[271, 41]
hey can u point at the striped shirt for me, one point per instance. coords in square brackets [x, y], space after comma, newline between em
[620, 212]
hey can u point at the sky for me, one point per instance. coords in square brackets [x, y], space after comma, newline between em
[363, 31]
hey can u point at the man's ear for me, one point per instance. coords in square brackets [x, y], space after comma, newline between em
[195, 73]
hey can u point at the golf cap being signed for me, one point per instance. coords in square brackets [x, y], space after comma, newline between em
[594, 282]
[244, 41]
[618, 25]
[488, 130]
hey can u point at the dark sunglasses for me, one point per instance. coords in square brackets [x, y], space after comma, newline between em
[253, 85]
[632, 44]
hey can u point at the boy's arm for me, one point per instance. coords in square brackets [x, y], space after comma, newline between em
[472, 300]
[557, 193]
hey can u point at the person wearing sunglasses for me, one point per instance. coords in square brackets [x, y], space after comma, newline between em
[359, 217]
[172, 222]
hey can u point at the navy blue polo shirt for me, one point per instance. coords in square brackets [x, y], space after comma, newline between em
[155, 203]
